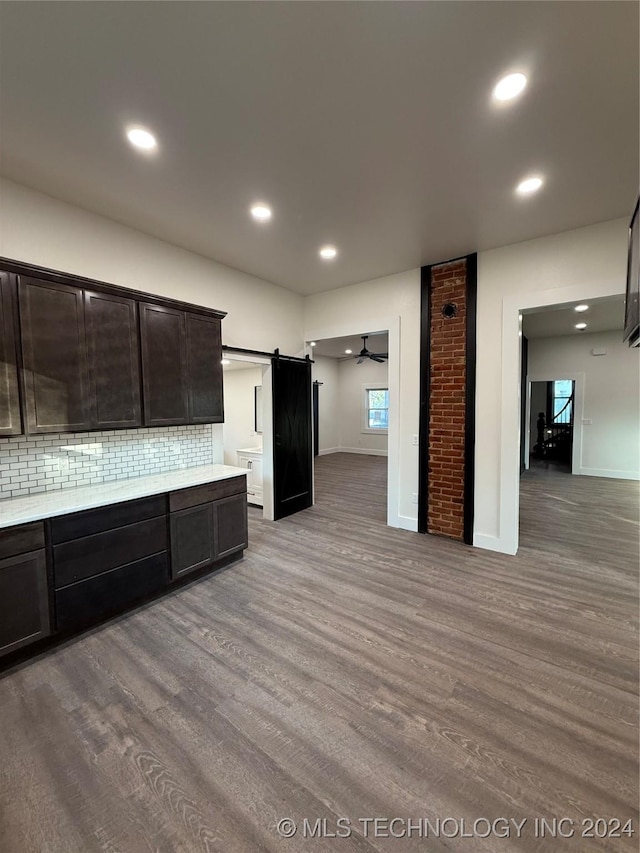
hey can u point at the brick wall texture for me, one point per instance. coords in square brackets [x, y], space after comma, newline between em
[445, 510]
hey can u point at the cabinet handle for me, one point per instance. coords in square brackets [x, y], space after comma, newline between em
[249, 463]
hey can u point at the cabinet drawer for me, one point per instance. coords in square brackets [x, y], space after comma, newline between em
[207, 492]
[90, 600]
[22, 538]
[92, 555]
[105, 518]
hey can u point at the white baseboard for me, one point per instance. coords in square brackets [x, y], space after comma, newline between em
[363, 450]
[406, 523]
[493, 543]
[605, 472]
[329, 450]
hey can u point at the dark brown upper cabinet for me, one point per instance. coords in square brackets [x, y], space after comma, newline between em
[164, 365]
[81, 361]
[204, 369]
[55, 364]
[10, 415]
[114, 360]
[79, 355]
[181, 367]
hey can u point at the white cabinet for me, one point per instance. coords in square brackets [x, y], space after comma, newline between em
[252, 461]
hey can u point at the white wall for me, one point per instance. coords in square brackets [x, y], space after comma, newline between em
[41, 230]
[238, 430]
[564, 268]
[609, 445]
[576, 265]
[353, 378]
[391, 303]
[325, 370]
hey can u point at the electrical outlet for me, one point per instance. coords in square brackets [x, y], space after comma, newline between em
[415, 440]
[414, 498]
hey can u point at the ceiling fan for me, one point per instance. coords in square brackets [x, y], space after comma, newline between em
[374, 356]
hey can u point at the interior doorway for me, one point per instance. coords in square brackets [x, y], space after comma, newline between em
[581, 397]
[247, 432]
[352, 411]
[550, 424]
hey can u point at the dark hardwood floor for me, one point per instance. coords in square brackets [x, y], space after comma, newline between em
[345, 669]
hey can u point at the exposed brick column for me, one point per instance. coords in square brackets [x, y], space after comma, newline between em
[447, 400]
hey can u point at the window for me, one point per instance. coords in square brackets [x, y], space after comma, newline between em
[561, 390]
[376, 409]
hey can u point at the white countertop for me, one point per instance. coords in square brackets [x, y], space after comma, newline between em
[35, 507]
[250, 450]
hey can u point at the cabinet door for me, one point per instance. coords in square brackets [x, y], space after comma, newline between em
[204, 369]
[54, 351]
[24, 601]
[230, 525]
[256, 473]
[10, 417]
[192, 539]
[114, 371]
[164, 365]
[244, 462]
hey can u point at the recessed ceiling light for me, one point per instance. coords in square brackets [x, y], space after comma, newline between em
[225, 361]
[581, 326]
[312, 343]
[581, 308]
[261, 212]
[142, 139]
[328, 253]
[348, 351]
[510, 87]
[529, 186]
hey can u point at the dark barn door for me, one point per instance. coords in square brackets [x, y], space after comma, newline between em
[524, 426]
[316, 418]
[292, 437]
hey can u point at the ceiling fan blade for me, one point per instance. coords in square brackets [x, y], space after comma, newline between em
[361, 359]
[380, 354]
[375, 358]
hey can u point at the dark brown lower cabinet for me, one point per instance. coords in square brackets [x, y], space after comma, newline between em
[192, 539]
[230, 525]
[96, 563]
[89, 601]
[102, 566]
[24, 600]
[203, 534]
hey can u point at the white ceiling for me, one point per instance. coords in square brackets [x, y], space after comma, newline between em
[335, 347]
[604, 315]
[367, 125]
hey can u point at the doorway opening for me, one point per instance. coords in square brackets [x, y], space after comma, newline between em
[352, 410]
[246, 439]
[579, 402]
[550, 424]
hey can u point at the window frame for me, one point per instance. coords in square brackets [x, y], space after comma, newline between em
[564, 399]
[373, 386]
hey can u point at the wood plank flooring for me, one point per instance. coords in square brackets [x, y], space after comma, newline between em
[345, 669]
